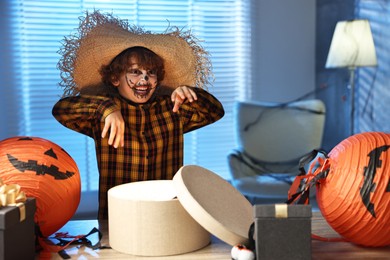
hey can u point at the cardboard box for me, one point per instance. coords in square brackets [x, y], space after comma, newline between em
[17, 238]
[283, 231]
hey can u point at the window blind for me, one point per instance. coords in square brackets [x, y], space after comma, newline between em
[36, 31]
[373, 83]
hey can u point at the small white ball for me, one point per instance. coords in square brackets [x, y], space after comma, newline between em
[246, 254]
[236, 251]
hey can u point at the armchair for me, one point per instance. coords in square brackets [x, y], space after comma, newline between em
[272, 138]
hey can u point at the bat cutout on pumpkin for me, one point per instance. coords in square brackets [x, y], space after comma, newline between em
[32, 165]
[369, 175]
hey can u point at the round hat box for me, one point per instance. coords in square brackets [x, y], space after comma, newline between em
[170, 217]
[145, 218]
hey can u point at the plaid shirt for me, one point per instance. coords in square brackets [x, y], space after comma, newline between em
[153, 147]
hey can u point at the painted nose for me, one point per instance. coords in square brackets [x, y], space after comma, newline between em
[145, 77]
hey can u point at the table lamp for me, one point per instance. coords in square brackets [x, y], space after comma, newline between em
[352, 46]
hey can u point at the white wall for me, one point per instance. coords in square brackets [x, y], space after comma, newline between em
[283, 49]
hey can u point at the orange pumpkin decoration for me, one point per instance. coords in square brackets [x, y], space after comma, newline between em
[46, 172]
[353, 188]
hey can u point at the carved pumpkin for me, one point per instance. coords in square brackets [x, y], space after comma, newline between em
[353, 188]
[45, 171]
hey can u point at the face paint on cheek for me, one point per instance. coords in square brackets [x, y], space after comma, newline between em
[132, 84]
[129, 82]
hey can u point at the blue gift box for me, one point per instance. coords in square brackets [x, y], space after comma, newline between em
[17, 231]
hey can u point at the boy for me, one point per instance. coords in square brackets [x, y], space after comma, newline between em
[116, 81]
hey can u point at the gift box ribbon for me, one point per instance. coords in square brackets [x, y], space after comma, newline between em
[281, 211]
[11, 195]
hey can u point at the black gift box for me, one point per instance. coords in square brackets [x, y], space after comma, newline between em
[283, 231]
[17, 237]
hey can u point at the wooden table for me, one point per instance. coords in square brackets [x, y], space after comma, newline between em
[219, 249]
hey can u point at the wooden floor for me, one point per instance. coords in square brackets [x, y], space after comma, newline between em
[340, 250]
[220, 250]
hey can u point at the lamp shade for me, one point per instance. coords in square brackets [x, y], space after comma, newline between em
[352, 45]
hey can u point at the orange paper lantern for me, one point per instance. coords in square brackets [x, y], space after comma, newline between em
[46, 172]
[353, 188]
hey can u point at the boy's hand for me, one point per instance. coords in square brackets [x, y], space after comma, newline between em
[180, 94]
[115, 123]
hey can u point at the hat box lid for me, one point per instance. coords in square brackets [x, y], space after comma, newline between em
[214, 203]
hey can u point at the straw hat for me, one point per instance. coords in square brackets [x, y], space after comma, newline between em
[101, 37]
